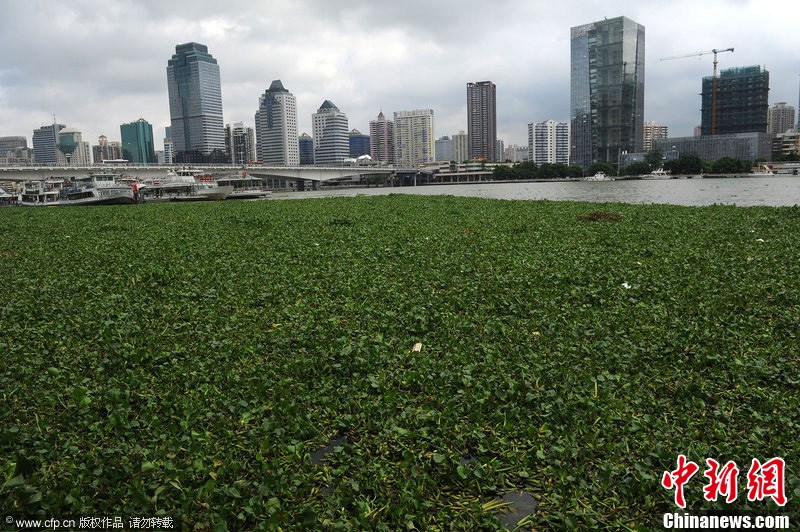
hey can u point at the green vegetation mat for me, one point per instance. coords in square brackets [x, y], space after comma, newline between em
[253, 364]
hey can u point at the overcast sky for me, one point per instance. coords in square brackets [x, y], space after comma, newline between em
[98, 64]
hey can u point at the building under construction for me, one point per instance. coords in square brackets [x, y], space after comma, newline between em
[742, 101]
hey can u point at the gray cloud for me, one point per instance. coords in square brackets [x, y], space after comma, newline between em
[97, 65]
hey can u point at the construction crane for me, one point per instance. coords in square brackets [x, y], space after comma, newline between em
[715, 51]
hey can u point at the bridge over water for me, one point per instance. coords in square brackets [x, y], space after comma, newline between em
[315, 174]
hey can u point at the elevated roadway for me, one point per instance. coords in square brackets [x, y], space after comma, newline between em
[299, 173]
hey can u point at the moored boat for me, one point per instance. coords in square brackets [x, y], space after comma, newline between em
[183, 185]
[95, 189]
[762, 171]
[599, 176]
[245, 187]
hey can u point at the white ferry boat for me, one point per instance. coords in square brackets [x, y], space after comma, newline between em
[245, 187]
[95, 189]
[184, 185]
[599, 176]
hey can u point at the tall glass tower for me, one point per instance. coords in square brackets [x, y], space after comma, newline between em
[606, 90]
[137, 142]
[44, 143]
[195, 105]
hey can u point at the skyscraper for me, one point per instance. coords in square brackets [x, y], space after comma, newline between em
[44, 143]
[460, 147]
[780, 118]
[548, 142]
[653, 131]
[359, 143]
[381, 138]
[71, 149]
[413, 137]
[241, 143]
[137, 142]
[331, 143]
[195, 105]
[444, 148]
[482, 120]
[306, 145]
[606, 90]
[276, 127]
[742, 101]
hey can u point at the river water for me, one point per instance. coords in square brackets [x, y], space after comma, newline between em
[742, 191]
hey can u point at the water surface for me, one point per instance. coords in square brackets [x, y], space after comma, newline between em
[743, 191]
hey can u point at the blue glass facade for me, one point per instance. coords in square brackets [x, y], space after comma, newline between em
[137, 142]
[195, 105]
[606, 90]
[44, 143]
[359, 144]
[306, 146]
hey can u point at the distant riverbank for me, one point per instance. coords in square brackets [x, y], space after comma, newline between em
[743, 191]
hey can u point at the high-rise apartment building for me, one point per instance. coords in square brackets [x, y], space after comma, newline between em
[381, 138]
[460, 147]
[780, 118]
[516, 154]
[44, 143]
[306, 146]
[241, 143]
[71, 150]
[276, 127]
[653, 131]
[331, 143]
[742, 101]
[359, 143]
[606, 90]
[413, 137]
[482, 120]
[169, 151]
[106, 150]
[444, 149]
[195, 105]
[499, 150]
[137, 142]
[548, 142]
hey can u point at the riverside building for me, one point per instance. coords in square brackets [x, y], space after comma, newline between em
[44, 143]
[331, 141]
[414, 141]
[548, 142]
[606, 90]
[137, 142]
[780, 118]
[241, 142]
[381, 138]
[742, 101]
[482, 120]
[195, 105]
[276, 127]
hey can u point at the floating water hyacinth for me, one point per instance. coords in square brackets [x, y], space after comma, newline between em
[263, 373]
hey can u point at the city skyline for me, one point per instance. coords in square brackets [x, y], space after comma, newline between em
[371, 57]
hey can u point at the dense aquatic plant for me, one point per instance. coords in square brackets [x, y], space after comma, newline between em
[392, 362]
